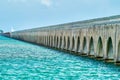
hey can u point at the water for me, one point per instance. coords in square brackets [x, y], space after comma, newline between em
[24, 61]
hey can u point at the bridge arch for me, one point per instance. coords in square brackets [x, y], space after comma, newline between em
[118, 50]
[39, 39]
[47, 40]
[100, 52]
[64, 42]
[110, 48]
[78, 43]
[57, 41]
[68, 43]
[42, 39]
[73, 43]
[60, 43]
[51, 41]
[84, 45]
[91, 46]
[54, 41]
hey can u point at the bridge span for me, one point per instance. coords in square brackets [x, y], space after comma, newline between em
[99, 37]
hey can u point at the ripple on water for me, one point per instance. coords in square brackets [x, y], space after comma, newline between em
[23, 61]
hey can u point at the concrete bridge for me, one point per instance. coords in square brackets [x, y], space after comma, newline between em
[96, 37]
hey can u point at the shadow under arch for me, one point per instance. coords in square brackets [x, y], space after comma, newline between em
[60, 42]
[54, 41]
[68, 43]
[84, 45]
[91, 46]
[110, 48]
[118, 51]
[47, 41]
[99, 48]
[73, 43]
[57, 42]
[64, 42]
[51, 41]
[42, 39]
[78, 43]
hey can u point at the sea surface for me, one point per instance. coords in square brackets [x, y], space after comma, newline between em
[24, 61]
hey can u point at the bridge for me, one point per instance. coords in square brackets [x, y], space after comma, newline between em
[99, 37]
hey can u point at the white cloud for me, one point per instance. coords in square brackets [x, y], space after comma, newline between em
[47, 3]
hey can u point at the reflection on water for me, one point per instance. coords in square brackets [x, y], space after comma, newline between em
[20, 60]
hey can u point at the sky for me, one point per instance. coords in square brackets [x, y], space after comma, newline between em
[25, 14]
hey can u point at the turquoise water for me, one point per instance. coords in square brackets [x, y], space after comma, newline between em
[24, 61]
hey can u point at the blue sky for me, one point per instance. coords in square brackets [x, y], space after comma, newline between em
[25, 14]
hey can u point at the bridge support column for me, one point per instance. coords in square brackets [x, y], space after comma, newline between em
[76, 42]
[105, 49]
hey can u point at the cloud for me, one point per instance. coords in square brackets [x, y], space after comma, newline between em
[47, 3]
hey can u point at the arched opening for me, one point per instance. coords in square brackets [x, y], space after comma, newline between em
[40, 39]
[54, 41]
[73, 43]
[47, 40]
[64, 42]
[84, 45]
[68, 43]
[110, 49]
[51, 41]
[100, 48]
[119, 50]
[91, 46]
[78, 43]
[57, 42]
[60, 41]
[43, 40]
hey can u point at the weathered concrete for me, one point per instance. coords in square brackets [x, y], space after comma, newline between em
[97, 37]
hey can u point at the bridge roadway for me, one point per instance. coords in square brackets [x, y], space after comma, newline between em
[99, 37]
